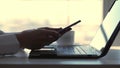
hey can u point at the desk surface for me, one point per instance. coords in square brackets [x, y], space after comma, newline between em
[113, 57]
[111, 60]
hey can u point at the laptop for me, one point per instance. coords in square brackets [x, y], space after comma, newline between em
[98, 48]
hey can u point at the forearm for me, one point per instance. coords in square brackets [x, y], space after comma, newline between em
[9, 43]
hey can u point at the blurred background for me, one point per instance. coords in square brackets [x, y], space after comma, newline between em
[19, 15]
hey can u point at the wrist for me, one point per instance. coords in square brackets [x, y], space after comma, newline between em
[20, 38]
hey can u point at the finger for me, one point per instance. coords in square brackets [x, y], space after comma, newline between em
[55, 29]
[64, 31]
[43, 28]
[53, 35]
[48, 34]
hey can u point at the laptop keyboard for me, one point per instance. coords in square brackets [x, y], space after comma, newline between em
[75, 50]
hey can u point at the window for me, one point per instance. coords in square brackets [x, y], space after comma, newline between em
[18, 15]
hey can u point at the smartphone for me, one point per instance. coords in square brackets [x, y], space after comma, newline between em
[45, 52]
[68, 28]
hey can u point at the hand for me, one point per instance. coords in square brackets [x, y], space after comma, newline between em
[37, 38]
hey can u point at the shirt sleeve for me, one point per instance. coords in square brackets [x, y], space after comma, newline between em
[9, 44]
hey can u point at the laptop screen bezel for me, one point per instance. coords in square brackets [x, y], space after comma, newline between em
[110, 41]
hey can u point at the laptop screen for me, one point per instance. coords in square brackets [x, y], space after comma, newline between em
[107, 27]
